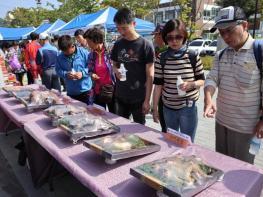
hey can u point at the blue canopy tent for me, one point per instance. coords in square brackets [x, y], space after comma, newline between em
[56, 25]
[104, 18]
[42, 28]
[14, 33]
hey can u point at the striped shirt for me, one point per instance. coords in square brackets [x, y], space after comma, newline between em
[167, 77]
[238, 80]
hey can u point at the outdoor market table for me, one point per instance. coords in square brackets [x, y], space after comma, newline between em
[241, 179]
[13, 112]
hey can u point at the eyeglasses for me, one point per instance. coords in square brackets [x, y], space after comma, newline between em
[171, 38]
[229, 30]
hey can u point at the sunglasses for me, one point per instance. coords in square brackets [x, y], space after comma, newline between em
[171, 38]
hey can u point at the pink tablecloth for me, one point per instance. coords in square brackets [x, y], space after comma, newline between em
[241, 179]
[12, 109]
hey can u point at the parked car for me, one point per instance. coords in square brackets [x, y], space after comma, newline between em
[199, 46]
[211, 49]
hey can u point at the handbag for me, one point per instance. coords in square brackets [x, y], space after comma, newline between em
[106, 93]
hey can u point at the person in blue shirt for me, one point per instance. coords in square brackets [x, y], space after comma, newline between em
[46, 58]
[72, 66]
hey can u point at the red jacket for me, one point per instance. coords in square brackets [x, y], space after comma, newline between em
[30, 58]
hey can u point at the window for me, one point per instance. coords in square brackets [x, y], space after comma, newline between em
[196, 43]
[169, 14]
[207, 14]
[214, 12]
[159, 17]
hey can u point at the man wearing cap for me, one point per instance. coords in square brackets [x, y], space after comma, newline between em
[237, 77]
[46, 58]
[159, 45]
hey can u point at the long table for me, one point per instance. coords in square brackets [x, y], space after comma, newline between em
[241, 179]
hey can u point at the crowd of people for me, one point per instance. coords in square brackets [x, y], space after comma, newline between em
[91, 74]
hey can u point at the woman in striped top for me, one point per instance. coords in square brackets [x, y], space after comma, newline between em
[180, 112]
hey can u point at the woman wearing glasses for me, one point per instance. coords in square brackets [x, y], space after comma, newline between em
[180, 111]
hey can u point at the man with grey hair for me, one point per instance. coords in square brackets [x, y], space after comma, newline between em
[236, 75]
[46, 58]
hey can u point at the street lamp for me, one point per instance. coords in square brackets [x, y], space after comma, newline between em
[38, 3]
[255, 18]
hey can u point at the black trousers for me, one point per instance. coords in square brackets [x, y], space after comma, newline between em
[161, 117]
[30, 79]
[125, 109]
[85, 97]
[109, 105]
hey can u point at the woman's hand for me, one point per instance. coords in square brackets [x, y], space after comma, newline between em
[187, 85]
[95, 77]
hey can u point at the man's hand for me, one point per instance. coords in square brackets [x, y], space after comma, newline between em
[156, 116]
[117, 73]
[209, 110]
[146, 107]
[258, 130]
[71, 75]
[78, 75]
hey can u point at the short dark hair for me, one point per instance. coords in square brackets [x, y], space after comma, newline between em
[56, 37]
[174, 24]
[15, 43]
[79, 32]
[22, 44]
[123, 16]
[6, 45]
[65, 42]
[33, 36]
[95, 35]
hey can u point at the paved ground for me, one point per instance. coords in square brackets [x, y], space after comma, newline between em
[16, 181]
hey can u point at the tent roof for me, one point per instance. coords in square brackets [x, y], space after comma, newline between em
[102, 17]
[56, 25]
[42, 28]
[14, 33]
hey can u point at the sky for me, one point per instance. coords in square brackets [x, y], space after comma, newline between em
[8, 5]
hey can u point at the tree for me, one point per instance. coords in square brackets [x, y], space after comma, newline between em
[71, 8]
[247, 5]
[29, 17]
[140, 8]
[189, 13]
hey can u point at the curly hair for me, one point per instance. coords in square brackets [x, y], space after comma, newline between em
[95, 35]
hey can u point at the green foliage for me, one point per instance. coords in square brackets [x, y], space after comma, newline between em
[71, 8]
[140, 8]
[247, 5]
[207, 62]
[67, 10]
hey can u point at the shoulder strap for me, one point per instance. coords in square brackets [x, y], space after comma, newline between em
[192, 57]
[221, 53]
[163, 59]
[257, 49]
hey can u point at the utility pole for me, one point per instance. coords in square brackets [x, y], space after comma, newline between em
[255, 19]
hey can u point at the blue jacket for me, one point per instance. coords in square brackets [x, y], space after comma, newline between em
[79, 62]
[47, 56]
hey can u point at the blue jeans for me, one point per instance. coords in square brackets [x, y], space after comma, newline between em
[183, 120]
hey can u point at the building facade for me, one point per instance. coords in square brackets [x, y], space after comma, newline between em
[203, 12]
